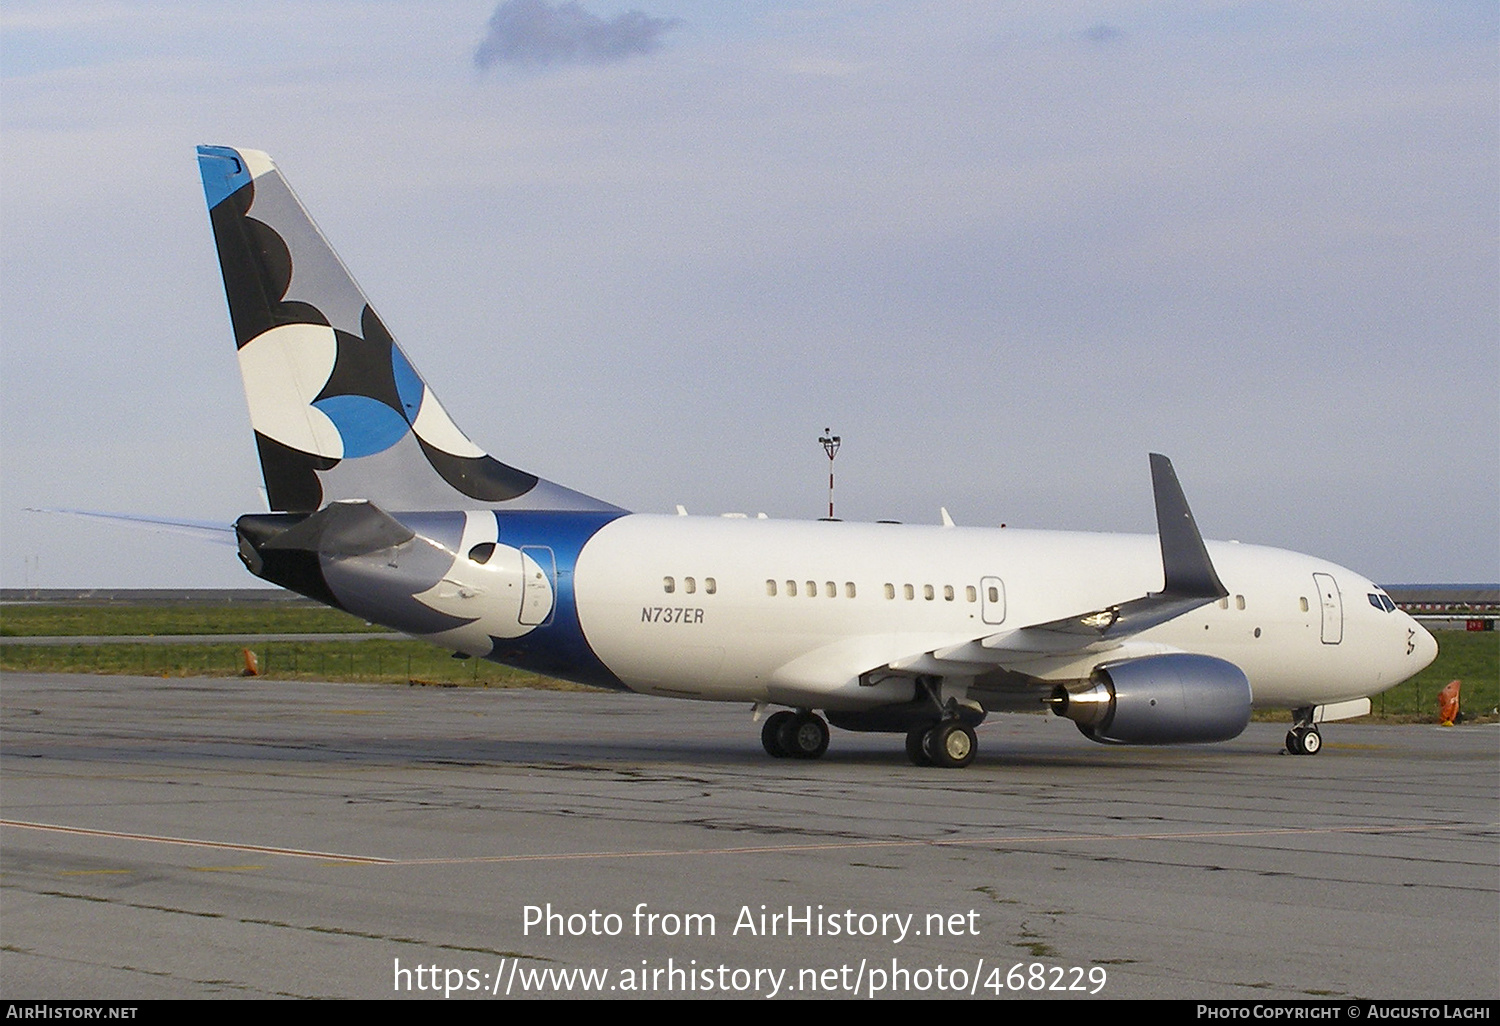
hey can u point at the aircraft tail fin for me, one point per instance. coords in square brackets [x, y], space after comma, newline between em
[339, 412]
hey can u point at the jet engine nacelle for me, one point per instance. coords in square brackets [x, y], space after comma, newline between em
[1177, 698]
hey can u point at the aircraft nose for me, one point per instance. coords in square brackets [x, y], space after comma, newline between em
[1422, 647]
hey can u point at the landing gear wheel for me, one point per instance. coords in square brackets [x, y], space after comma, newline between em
[916, 745]
[803, 735]
[770, 734]
[1304, 741]
[952, 745]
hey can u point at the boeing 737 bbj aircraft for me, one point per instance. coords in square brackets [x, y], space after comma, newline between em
[383, 507]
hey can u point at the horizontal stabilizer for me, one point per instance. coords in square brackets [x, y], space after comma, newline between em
[204, 530]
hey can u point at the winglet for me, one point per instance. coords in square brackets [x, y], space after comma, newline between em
[1189, 576]
[1188, 571]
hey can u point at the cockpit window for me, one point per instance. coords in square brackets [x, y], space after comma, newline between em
[1382, 602]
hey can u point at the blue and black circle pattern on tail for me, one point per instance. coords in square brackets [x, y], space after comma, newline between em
[338, 410]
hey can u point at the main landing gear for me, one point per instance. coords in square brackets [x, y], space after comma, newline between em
[795, 735]
[950, 744]
[939, 731]
[1303, 738]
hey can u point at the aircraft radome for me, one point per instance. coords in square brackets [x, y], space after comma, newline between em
[382, 507]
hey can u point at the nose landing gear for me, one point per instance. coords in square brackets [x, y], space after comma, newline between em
[1303, 738]
[1304, 741]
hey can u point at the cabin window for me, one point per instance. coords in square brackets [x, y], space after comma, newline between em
[831, 589]
[689, 585]
[890, 591]
[771, 588]
[928, 593]
[812, 589]
[947, 593]
[848, 589]
[668, 585]
[1303, 602]
[1224, 602]
[910, 592]
[971, 593]
[482, 552]
[992, 593]
[791, 588]
[710, 586]
[1239, 602]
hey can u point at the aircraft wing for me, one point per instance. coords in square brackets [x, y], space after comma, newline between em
[1189, 581]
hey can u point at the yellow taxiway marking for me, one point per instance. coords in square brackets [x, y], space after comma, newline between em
[337, 858]
[954, 842]
[223, 869]
[193, 842]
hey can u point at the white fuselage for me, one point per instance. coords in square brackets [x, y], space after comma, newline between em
[794, 613]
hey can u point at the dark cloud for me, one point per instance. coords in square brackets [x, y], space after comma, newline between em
[1102, 33]
[535, 32]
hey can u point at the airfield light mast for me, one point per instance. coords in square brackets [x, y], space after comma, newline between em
[830, 442]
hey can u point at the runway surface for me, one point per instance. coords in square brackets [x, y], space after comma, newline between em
[189, 838]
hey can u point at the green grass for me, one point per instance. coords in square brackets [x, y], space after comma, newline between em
[71, 618]
[1473, 658]
[397, 661]
[1470, 656]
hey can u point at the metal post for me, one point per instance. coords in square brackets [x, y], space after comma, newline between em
[830, 443]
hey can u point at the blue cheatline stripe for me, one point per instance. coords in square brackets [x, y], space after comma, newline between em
[557, 648]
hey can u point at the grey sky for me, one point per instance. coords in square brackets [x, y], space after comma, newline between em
[536, 32]
[1003, 250]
